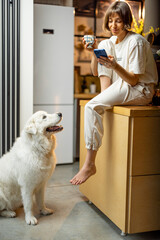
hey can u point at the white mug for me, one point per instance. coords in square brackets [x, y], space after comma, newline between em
[89, 39]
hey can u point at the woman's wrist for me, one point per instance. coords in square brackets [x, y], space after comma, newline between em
[94, 58]
[115, 66]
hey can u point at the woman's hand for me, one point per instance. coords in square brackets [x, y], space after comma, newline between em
[94, 58]
[109, 62]
[94, 46]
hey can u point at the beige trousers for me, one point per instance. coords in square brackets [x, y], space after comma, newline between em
[119, 93]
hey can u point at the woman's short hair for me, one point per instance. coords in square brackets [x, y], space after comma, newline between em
[123, 10]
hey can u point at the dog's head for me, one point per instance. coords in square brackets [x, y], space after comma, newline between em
[43, 123]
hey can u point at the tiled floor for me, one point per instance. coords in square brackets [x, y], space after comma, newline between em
[74, 217]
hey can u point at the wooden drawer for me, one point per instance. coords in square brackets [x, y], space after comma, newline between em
[144, 204]
[145, 142]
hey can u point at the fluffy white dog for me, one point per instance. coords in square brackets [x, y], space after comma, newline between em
[25, 170]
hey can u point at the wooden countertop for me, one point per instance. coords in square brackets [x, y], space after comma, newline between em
[133, 111]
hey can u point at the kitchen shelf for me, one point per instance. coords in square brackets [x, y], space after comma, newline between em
[84, 95]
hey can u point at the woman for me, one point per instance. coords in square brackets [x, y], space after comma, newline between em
[127, 77]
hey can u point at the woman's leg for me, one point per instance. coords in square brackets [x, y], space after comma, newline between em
[93, 123]
[87, 170]
[94, 111]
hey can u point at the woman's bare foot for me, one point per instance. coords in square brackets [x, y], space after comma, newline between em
[87, 170]
[83, 174]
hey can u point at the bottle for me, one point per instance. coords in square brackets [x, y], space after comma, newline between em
[84, 86]
[92, 87]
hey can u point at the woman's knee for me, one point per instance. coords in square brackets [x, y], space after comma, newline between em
[93, 106]
[89, 106]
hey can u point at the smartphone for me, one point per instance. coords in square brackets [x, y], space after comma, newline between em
[100, 52]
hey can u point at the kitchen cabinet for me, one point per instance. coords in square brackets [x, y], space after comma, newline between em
[126, 187]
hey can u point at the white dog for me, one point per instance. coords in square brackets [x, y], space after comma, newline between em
[25, 170]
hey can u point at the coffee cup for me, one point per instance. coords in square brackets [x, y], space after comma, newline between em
[89, 39]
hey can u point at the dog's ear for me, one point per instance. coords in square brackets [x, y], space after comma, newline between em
[30, 128]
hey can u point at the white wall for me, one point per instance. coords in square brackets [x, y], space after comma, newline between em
[26, 60]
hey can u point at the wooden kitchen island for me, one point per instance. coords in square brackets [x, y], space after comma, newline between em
[126, 187]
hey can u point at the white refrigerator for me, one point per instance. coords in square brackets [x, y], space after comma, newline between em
[53, 70]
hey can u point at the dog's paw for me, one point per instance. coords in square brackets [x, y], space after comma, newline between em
[46, 211]
[31, 220]
[12, 214]
[9, 214]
